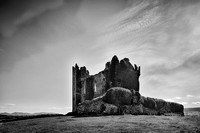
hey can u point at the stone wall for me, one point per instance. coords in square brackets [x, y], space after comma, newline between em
[89, 88]
[99, 84]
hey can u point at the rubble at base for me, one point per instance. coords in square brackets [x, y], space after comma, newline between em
[145, 106]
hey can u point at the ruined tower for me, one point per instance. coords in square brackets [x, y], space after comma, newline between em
[78, 75]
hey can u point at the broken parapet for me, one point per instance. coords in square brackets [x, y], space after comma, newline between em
[122, 74]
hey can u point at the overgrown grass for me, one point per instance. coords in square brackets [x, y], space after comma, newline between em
[123, 123]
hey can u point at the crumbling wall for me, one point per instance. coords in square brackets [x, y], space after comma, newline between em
[99, 84]
[116, 74]
[83, 90]
[89, 88]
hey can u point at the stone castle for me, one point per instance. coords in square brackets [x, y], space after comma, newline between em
[115, 90]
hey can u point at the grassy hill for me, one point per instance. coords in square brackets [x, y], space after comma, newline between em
[120, 123]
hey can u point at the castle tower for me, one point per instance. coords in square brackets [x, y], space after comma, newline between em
[74, 75]
[77, 85]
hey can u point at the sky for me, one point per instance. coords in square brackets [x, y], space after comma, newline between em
[40, 41]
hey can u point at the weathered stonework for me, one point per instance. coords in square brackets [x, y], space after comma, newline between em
[79, 77]
[115, 90]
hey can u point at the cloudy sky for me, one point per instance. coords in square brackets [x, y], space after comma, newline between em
[40, 41]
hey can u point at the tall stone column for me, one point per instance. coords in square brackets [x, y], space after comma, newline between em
[74, 73]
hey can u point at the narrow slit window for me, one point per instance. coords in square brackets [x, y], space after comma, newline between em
[84, 87]
[95, 88]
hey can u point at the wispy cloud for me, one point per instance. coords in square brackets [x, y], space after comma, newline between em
[166, 45]
[196, 103]
[31, 10]
[173, 99]
[7, 106]
[130, 26]
[190, 96]
[37, 10]
[178, 98]
[10, 104]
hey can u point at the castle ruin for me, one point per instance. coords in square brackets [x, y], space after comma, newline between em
[114, 89]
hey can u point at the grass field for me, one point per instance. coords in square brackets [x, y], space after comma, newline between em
[125, 123]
